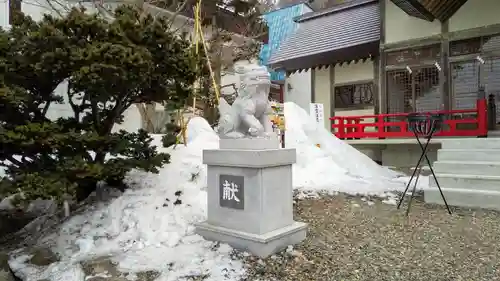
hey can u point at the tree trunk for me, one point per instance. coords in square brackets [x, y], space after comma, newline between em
[148, 115]
[210, 110]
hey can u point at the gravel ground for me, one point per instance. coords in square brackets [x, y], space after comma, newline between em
[350, 239]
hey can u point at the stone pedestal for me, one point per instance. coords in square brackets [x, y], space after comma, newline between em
[250, 204]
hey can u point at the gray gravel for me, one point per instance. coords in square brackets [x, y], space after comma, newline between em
[350, 239]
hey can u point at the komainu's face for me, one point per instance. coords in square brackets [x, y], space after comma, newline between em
[256, 80]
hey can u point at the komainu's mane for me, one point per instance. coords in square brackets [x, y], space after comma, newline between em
[251, 75]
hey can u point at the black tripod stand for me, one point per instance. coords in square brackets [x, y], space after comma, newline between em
[423, 126]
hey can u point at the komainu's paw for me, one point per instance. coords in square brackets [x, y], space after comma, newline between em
[253, 132]
[234, 135]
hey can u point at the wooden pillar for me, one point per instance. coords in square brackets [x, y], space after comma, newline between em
[286, 95]
[313, 85]
[332, 93]
[382, 81]
[376, 88]
[444, 74]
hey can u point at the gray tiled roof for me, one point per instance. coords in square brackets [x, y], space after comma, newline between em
[329, 37]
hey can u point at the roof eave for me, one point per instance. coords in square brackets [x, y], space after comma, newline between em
[443, 10]
[333, 9]
[414, 8]
[430, 9]
[339, 56]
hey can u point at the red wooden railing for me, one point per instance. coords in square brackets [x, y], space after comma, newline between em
[377, 126]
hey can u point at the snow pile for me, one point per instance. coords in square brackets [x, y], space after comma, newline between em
[335, 166]
[151, 226]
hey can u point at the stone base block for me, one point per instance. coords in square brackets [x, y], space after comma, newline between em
[262, 245]
[250, 143]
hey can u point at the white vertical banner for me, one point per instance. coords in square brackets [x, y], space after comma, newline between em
[317, 112]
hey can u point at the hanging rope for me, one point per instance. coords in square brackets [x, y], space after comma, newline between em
[205, 48]
[196, 43]
[198, 36]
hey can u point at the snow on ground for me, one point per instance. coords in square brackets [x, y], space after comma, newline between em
[151, 226]
[335, 166]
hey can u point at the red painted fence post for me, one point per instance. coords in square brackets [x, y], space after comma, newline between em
[381, 126]
[482, 117]
[340, 128]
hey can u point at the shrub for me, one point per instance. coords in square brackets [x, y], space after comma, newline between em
[103, 67]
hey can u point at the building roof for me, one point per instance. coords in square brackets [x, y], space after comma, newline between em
[443, 9]
[343, 33]
[346, 5]
[430, 9]
[315, 5]
[226, 20]
[414, 9]
[283, 4]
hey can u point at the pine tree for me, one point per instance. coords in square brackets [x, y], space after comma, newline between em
[107, 67]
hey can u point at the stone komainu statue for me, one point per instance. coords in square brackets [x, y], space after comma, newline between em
[248, 116]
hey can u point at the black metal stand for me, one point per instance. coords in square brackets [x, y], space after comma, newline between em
[424, 125]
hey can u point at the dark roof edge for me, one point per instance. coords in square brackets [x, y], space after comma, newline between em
[334, 9]
[305, 2]
[367, 49]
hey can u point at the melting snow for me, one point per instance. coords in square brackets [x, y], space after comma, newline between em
[151, 226]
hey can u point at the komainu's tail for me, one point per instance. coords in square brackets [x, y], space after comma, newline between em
[226, 122]
[224, 107]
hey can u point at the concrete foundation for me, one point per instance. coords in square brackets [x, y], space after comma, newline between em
[398, 153]
[258, 215]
